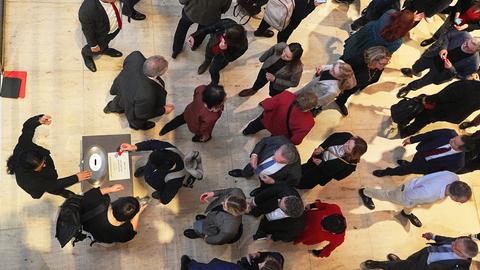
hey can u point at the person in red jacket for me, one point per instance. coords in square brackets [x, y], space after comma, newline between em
[287, 115]
[325, 222]
[201, 114]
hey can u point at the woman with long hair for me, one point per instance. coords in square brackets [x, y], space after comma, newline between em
[336, 158]
[33, 167]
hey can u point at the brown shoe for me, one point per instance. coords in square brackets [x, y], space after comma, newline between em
[247, 92]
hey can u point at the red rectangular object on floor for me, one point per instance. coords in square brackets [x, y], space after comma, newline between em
[21, 75]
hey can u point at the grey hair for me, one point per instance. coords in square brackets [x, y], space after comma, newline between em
[290, 153]
[154, 65]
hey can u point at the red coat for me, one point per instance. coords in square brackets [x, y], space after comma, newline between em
[200, 120]
[275, 117]
[313, 233]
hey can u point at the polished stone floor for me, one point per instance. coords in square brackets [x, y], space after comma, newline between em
[44, 38]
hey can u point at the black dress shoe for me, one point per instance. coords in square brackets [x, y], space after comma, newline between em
[106, 110]
[203, 67]
[407, 72]
[112, 52]
[200, 217]
[156, 195]
[138, 16]
[175, 54]
[236, 173]
[342, 108]
[184, 261]
[259, 235]
[197, 138]
[367, 201]
[139, 172]
[402, 162]
[466, 125]
[88, 60]
[379, 173]
[427, 42]
[190, 233]
[403, 92]
[316, 111]
[267, 33]
[413, 219]
[393, 258]
[254, 192]
[371, 264]
[148, 125]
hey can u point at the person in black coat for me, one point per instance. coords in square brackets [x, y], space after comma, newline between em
[367, 71]
[374, 11]
[34, 168]
[427, 7]
[437, 150]
[301, 10]
[164, 171]
[139, 91]
[336, 158]
[265, 260]
[282, 208]
[456, 253]
[228, 41]
[452, 104]
[95, 17]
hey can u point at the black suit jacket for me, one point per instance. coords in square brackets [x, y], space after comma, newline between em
[321, 174]
[267, 199]
[37, 183]
[265, 148]
[94, 20]
[140, 97]
[431, 140]
[285, 229]
[446, 264]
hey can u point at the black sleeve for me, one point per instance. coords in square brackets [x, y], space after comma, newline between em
[124, 233]
[336, 138]
[88, 24]
[28, 131]
[92, 199]
[266, 194]
[62, 183]
[222, 24]
[151, 145]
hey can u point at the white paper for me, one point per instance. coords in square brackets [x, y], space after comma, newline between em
[118, 166]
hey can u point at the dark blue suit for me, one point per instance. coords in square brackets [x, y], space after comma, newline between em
[215, 264]
[427, 142]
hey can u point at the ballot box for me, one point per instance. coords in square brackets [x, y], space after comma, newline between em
[100, 155]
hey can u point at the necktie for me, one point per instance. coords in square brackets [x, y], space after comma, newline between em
[439, 249]
[436, 151]
[117, 14]
[263, 166]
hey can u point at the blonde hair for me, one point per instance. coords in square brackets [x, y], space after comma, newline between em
[236, 206]
[346, 77]
[375, 54]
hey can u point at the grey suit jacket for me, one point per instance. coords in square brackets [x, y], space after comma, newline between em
[266, 147]
[221, 227]
[452, 40]
[286, 77]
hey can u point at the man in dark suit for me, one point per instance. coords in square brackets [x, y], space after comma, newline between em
[282, 208]
[139, 91]
[453, 55]
[438, 150]
[101, 21]
[445, 254]
[276, 160]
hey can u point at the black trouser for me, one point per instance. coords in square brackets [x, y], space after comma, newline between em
[115, 105]
[175, 123]
[262, 80]
[217, 62]
[343, 97]
[181, 33]
[414, 261]
[254, 126]
[424, 118]
[65, 193]
[434, 75]
[418, 165]
[170, 190]
[87, 51]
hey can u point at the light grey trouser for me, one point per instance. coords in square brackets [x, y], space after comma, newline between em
[391, 195]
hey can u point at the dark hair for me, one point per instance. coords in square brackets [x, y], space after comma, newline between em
[296, 50]
[271, 264]
[28, 160]
[294, 206]
[213, 95]
[400, 23]
[460, 189]
[125, 208]
[235, 34]
[334, 223]
[358, 150]
[161, 159]
[469, 143]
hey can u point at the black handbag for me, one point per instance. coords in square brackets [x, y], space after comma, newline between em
[406, 110]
